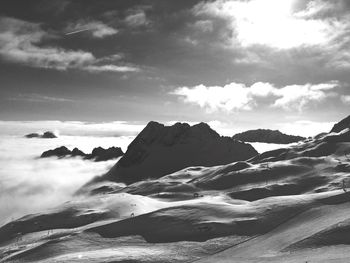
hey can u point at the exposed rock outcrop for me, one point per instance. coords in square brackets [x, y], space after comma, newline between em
[160, 150]
[101, 154]
[45, 135]
[98, 154]
[317, 147]
[343, 124]
[32, 135]
[267, 136]
[58, 152]
[48, 135]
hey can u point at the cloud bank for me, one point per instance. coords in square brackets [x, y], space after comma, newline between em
[30, 185]
[238, 96]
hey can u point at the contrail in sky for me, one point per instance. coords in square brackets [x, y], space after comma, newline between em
[77, 31]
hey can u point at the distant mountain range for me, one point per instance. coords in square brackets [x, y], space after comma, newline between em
[98, 154]
[45, 135]
[267, 136]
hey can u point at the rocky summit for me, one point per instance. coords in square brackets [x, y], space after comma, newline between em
[45, 135]
[267, 136]
[159, 150]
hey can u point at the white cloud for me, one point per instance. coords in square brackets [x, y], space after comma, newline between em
[20, 42]
[234, 96]
[97, 29]
[272, 23]
[203, 25]
[237, 96]
[262, 89]
[297, 97]
[112, 58]
[345, 99]
[137, 19]
[111, 68]
[39, 98]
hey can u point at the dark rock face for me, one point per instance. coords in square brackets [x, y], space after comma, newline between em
[77, 152]
[58, 152]
[343, 136]
[48, 135]
[343, 124]
[98, 154]
[45, 135]
[160, 150]
[316, 147]
[267, 136]
[32, 135]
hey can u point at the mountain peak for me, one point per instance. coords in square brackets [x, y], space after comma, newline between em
[159, 150]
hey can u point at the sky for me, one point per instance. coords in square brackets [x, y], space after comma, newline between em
[238, 64]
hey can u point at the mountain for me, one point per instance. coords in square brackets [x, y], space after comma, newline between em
[159, 150]
[45, 135]
[62, 151]
[286, 205]
[267, 136]
[343, 124]
[98, 154]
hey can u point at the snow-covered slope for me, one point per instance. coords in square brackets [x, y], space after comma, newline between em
[289, 205]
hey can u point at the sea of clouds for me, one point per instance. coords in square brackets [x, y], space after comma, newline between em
[29, 184]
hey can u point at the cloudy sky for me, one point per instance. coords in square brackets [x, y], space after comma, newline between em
[238, 64]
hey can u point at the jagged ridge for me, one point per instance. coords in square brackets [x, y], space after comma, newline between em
[159, 150]
[98, 154]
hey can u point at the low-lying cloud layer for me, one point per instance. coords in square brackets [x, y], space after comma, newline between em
[75, 128]
[29, 184]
